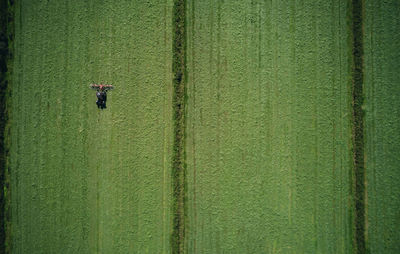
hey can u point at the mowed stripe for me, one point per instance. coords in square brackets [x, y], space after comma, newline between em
[268, 101]
[382, 125]
[86, 180]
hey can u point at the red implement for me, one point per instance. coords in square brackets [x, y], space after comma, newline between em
[101, 87]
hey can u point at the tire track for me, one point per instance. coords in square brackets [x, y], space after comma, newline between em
[166, 119]
[194, 224]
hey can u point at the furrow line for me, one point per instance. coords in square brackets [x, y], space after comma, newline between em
[358, 126]
[178, 161]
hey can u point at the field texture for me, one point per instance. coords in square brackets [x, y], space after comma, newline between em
[382, 104]
[268, 123]
[230, 129]
[85, 180]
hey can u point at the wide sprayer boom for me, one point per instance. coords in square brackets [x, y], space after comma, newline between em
[101, 87]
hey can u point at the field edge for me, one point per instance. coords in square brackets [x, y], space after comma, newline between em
[6, 57]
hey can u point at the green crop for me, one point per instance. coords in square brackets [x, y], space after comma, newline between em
[234, 127]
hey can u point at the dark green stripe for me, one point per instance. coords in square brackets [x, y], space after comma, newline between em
[6, 36]
[358, 125]
[178, 168]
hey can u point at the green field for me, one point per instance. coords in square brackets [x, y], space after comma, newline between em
[267, 152]
[85, 180]
[268, 121]
[382, 104]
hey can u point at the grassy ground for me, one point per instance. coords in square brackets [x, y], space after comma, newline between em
[268, 127]
[85, 180]
[265, 160]
[382, 92]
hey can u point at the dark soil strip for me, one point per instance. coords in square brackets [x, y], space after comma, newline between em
[358, 126]
[178, 167]
[6, 37]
